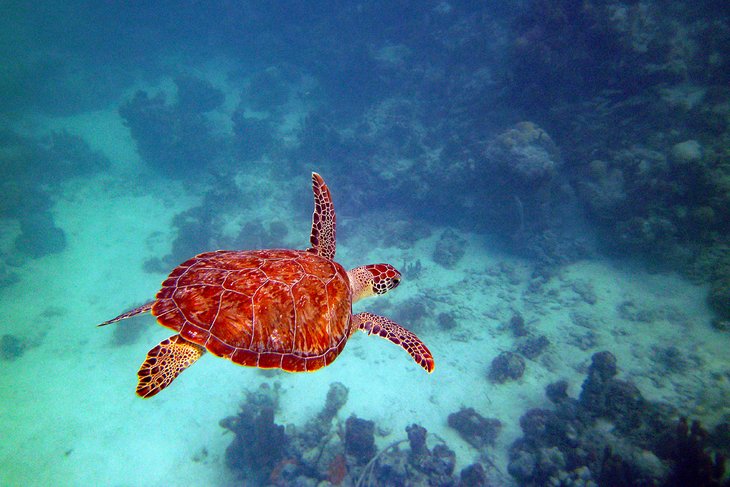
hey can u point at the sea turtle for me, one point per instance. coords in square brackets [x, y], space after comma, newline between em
[277, 308]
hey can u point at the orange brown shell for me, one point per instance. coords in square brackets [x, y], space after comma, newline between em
[287, 309]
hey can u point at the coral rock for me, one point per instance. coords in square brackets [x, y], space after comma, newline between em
[360, 439]
[506, 366]
[477, 430]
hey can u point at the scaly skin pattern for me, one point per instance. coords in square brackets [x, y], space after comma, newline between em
[323, 220]
[383, 327]
[165, 362]
[371, 279]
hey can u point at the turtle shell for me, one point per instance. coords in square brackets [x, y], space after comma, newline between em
[287, 309]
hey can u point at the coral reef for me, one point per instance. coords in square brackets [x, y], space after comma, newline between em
[31, 173]
[196, 95]
[610, 435]
[446, 321]
[266, 90]
[450, 248]
[39, 236]
[477, 430]
[264, 453]
[360, 439]
[11, 347]
[259, 443]
[532, 346]
[517, 325]
[419, 466]
[505, 367]
[253, 136]
[175, 139]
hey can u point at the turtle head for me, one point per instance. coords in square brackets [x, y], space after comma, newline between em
[372, 279]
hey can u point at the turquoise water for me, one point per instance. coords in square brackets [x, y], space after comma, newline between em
[551, 182]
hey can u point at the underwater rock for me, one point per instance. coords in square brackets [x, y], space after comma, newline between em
[197, 95]
[474, 428]
[253, 136]
[449, 249]
[585, 290]
[473, 476]
[69, 155]
[687, 152]
[442, 464]
[266, 91]
[506, 366]
[517, 325]
[694, 463]
[317, 428]
[39, 236]
[557, 391]
[360, 439]
[610, 436]
[719, 297]
[336, 398]
[418, 466]
[172, 139]
[259, 443]
[446, 321]
[532, 347]
[526, 154]
[417, 440]
[11, 347]
[413, 310]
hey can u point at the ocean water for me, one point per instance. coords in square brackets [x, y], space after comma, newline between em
[551, 179]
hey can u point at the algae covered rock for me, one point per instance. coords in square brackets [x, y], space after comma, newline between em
[719, 297]
[526, 152]
[506, 366]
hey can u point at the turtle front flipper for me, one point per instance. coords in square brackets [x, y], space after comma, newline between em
[164, 363]
[390, 330]
[322, 237]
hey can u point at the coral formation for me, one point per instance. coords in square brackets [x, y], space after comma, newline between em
[196, 95]
[11, 347]
[39, 235]
[446, 321]
[344, 454]
[610, 435]
[360, 439]
[419, 466]
[176, 139]
[259, 443]
[517, 325]
[253, 136]
[506, 366]
[477, 430]
[450, 248]
[532, 346]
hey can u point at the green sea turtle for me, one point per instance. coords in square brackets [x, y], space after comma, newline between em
[277, 308]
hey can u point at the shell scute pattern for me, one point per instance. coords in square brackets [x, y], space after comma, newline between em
[264, 308]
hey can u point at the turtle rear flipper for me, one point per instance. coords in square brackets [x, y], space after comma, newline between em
[142, 309]
[386, 328]
[165, 362]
